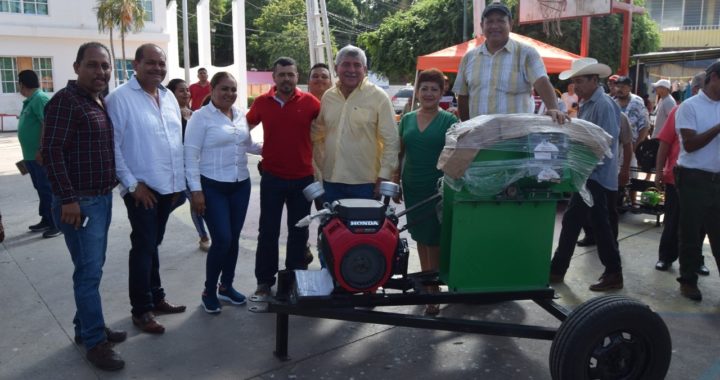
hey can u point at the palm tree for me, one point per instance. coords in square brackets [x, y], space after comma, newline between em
[131, 17]
[126, 15]
[106, 22]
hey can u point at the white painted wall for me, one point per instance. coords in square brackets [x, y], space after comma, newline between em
[58, 35]
[70, 23]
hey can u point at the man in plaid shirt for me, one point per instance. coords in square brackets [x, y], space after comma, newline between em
[78, 152]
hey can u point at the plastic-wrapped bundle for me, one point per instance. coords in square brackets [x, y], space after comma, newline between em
[487, 154]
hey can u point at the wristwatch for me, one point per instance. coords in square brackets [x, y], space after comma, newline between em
[132, 188]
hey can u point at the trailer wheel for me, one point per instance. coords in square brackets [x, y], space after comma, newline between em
[611, 337]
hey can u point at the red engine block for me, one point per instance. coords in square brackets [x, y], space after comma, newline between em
[360, 261]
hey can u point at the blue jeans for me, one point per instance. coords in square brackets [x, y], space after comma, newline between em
[87, 246]
[275, 193]
[575, 216]
[40, 182]
[148, 230]
[226, 205]
[335, 191]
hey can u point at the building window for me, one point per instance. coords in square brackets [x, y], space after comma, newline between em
[684, 14]
[43, 68]
[8, 75]
[118, 70]
[33, 7]
[147, 5]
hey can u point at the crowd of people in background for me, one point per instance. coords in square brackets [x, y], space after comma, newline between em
[163, 146]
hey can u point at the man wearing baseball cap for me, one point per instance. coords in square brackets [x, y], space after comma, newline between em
[634, 107]
[498, 76]
[611, 84]
[598, 108]
[665, 103]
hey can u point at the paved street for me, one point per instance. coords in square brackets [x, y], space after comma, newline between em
[37, 334]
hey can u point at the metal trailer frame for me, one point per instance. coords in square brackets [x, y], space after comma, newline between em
[607, 337]
[359, 308]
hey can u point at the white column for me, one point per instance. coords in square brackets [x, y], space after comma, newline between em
[203, 33]
[173, 56]
[239, 56]
[478, 8]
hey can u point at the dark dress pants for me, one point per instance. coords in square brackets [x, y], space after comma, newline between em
[148, 230]
[575, 216]
[275, 194]
[699, 195]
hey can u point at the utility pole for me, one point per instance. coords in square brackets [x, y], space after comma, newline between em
[465, 36]
[319, 33]
[186, 42]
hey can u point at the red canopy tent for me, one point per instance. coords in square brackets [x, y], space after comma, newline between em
[448, 59]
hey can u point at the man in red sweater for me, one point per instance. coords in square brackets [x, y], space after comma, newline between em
[286, 114]
[199, 90]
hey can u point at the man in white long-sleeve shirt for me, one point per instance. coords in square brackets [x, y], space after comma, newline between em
[149, 165]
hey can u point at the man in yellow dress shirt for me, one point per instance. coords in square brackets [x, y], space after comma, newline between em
[355, 138]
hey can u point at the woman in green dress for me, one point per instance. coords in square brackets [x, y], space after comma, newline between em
[422, 134]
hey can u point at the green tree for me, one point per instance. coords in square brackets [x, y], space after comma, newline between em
[373, 12]
[220, 40]
[605, 35]
[281, 30]
[125, 15]
[106, 22]
[131, 18]
[426, 26]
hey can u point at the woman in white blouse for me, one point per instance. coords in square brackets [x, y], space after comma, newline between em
[217, 141]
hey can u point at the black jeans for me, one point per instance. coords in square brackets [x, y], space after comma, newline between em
[148, 230]
[669, 242]
[668, 250]
[575, 216]
[699, 195]
[275, 193]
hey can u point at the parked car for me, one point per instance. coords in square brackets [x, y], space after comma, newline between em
[401, 98]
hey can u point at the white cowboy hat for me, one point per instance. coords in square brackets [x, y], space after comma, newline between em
[586, 66]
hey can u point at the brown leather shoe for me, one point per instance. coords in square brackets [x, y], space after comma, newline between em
[608, 282]
[146, 322]
[690, 291]
[113, 336]
[164, 307]
[103, 357]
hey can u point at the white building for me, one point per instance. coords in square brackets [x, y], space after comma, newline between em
[44, 35]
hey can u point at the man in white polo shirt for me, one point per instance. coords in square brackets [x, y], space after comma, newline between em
[697, 178]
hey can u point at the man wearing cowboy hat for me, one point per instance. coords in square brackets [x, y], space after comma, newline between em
[665, 104]
[598, 108]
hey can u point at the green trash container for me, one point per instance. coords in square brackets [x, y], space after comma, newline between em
[502, 240]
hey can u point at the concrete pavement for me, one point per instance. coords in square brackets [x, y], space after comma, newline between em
[38, 306]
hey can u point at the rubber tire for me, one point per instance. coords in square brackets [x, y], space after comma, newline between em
[587, 326]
